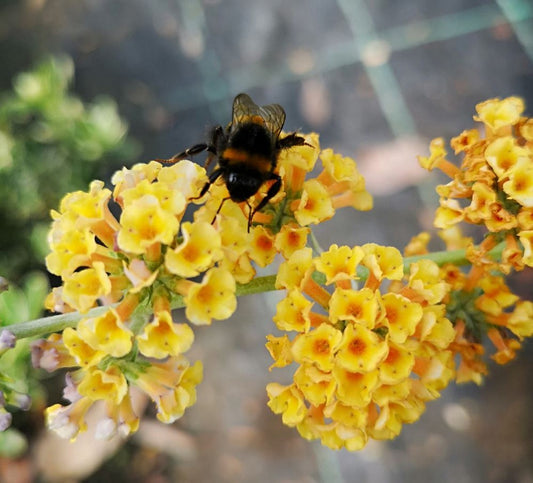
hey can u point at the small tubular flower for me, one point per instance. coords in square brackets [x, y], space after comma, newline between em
[74, 248]
[109, 385]
[317, 386]
[383, 262]
[402, 316]
[262, 249]
[359, 306]
[287, 401]
[80, 350]
[280, 350]
[339, 263]
[200, 249]
[143, 223]
[361, 350]
[315, 205]
[293, 312]
[162, 337]
[290, 238]
[107, 333]
[213, 298]
[317, 346]
[82, 289]
[496, 113]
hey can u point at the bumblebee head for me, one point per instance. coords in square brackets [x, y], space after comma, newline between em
[243, 184]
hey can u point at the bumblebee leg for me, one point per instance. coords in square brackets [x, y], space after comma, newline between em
[251, 213]
[212, 178]
[291, 140]
[220, 207]
[209, 160]
[272, 191]
[196, 149]
[218, 139]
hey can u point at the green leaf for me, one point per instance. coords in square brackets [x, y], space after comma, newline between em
[36, 289]
[12, 443]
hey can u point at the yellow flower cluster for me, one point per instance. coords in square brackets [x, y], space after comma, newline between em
[132, 250]
[481, 306]
[108, 368]
[494, 185]
[368, 358]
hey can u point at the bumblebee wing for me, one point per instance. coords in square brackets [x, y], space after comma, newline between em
[244, 110]
[274, 117]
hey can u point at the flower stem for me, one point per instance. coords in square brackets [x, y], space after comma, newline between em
[457, 257]
[53, 323]
[57, 323]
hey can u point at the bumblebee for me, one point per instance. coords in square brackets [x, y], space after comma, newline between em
[246, 152]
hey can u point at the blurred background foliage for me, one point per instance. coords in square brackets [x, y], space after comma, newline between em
[51, 142]
[17, 375]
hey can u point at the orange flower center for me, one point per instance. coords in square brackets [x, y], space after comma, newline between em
[310, 205]
[293, 239]
[321, 346]
[357, 346]
[505, 163]
[392, 315]
[264, 243]
[190, 252]
[393, 356]
[205, 295]
[354, 310]
[520, 183]
[353, 377]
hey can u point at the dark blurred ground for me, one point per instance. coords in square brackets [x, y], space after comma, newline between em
[377, 79]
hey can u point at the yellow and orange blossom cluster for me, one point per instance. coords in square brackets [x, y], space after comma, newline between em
[493, 186]
[132, 252]
[481, 307]
[368, 358]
